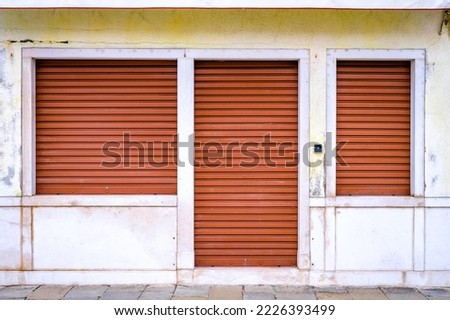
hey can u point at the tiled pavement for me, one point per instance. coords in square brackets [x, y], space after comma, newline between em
[213, 292]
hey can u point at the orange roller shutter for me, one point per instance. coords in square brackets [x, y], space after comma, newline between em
[81, 105]
[246, 210]
[373, 127]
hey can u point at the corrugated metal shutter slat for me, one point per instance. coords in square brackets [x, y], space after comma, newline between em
[245, 215]
[373, 117]
[82, 104]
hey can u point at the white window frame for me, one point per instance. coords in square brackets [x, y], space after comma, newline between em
[29, 57]
[184, 200]
[417, 58]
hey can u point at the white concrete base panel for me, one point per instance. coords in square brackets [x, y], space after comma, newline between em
[104, 238]
[374, 239]
[250, 276]
[380, 278]
[437, 239]
[232, 276]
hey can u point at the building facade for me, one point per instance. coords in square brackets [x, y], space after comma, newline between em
[205, 145]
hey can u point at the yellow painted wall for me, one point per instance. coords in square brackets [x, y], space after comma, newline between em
[316, 30]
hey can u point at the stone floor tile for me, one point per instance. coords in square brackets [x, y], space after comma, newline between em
[219, 292]
[127, 288]
[330, 289]
[332, 293]
[85, 293]
[225, 293]
[160, 288]
[189, 298]
[192, 291]
[81, 298]
[333, 296]
[158, 292]
[122, 295]
[16, 292]
[49, 292]
[295, 296]
[293, 289]
[436, 293]
[123, 292]
[366, 294]
[401, 293]
[260, 288]
[155, 295]
[258, 296]
[294, 293]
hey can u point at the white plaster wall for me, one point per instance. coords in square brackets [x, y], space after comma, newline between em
[237, 276]
[104, 238]
[10, 238]
[317, 233]
[374, 239]
[437, 239]
[10, 124]
[437, 128]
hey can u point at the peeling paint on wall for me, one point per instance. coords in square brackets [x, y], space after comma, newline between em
[8, 179]
[317, 185]
[9, 125]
